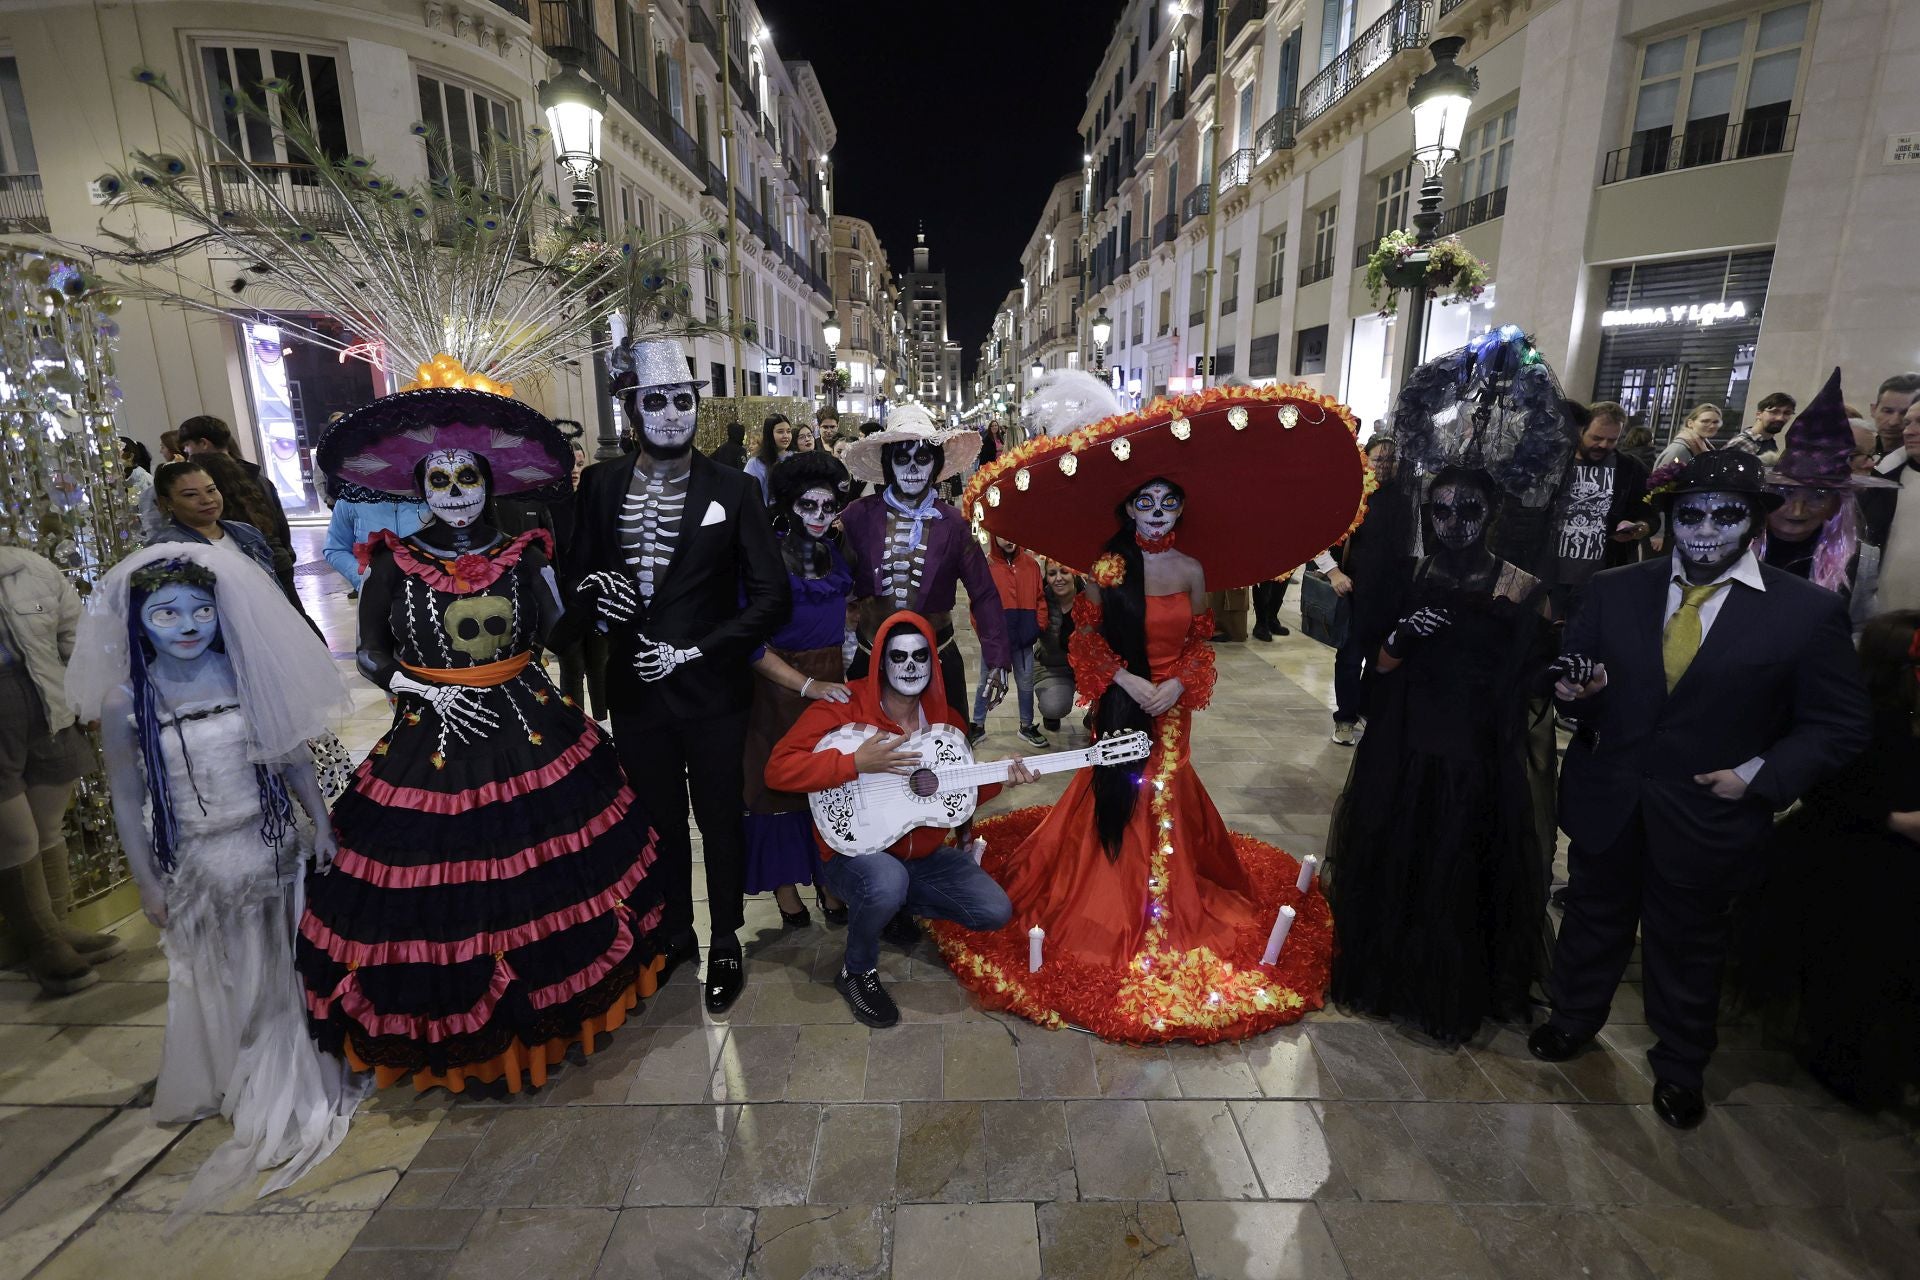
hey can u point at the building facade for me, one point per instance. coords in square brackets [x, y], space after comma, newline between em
[1682, 200]
[933, 358]
[367, 71]
[873, 331]
[1050, 282]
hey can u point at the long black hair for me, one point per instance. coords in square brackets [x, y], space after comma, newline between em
[786, 482]
[1123, 625]
[769, 450]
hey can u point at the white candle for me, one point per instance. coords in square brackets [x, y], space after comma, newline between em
[1278, 938]
[1308, 865]
[1036, 939]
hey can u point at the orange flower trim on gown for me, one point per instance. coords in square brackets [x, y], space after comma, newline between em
[1165, 942]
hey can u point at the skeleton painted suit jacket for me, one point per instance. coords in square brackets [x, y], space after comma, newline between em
[952, 556]
[725, 553]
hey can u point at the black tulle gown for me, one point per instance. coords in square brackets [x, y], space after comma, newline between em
[1434, 867]
[489, 907]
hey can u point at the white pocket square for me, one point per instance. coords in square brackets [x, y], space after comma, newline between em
[716, 514]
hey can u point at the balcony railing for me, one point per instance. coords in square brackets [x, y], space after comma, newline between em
[1405, 26]
[700, 26]
[518, 8]
[1237, 171]
[296, 195]
[1275, 135]
[1166, 229]
[1150, 143]
[1268, 289]
[1198, 201]
[1471, 213]
[1314, 272]
[1196, 318]
[1229, 305]
[1658, 151]
[1141, 248]
[1243, 12]
[23, 205]
[1364, 250]
[566, 26]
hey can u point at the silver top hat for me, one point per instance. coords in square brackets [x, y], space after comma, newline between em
[661, 362]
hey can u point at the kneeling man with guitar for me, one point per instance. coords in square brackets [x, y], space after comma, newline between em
[893, 788]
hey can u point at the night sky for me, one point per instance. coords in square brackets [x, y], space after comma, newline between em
[959, 115]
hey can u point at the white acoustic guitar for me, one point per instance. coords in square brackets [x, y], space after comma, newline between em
[868, 814]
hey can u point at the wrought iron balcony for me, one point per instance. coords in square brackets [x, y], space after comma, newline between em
[1196, 318]
[23, 205]
[1243, 12]
[1364, 250]
[1269, 288]
[1229, 305]
[1405, 26]
[701, 28]
[565, 27]
[1314, 272]
[1471, 213]
[1166, 229]
[518, 8]
[1658, 150]
[1198, 201]
[1237, 171]
[1141, 248]
[294, 194]
[1275, 135]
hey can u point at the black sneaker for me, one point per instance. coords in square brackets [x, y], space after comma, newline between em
[869, 1001]
[975, 732]
[1033, 737]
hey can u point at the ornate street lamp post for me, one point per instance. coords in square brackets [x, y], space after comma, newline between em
[574, 107]
[1439, 100]
[1101, 329]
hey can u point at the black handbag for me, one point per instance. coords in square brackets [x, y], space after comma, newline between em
[1325, 614]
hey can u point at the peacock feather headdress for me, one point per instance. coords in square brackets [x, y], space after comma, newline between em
[472, 277]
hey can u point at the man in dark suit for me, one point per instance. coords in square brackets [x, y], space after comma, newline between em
[673, 558]
[1712, 691]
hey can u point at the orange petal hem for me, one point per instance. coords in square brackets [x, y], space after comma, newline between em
[520, 1065]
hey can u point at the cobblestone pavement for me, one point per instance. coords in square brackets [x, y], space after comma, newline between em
[784, 1140]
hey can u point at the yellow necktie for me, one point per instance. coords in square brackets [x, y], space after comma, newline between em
[1682, 638]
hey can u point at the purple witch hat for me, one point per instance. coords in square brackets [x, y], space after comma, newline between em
[1819, 449]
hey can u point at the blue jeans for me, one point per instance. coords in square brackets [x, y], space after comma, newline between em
[1022, 683]
[945, 885]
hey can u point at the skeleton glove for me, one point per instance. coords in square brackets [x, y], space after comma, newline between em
[1576, 669]
[1421, 624]
[657, 661]
[614, 599]
[461, 709]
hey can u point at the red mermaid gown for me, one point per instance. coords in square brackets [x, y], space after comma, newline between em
[1164, 942]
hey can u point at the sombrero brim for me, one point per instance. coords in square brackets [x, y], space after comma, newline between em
[379, 444]
[959, 448]
[1273, 476]
[1855, 481]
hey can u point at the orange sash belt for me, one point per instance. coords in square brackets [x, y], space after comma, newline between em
[484, 676]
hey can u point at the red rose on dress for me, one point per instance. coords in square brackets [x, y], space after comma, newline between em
[471, 568]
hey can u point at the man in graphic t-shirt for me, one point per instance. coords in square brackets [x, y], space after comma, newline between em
[1600, 514]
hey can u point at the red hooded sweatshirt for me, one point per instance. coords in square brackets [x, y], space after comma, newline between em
[795, 765]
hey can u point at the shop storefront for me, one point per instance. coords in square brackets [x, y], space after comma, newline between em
[1674, 334]
[296, 384]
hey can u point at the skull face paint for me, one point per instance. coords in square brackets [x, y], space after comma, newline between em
[910, 467]
[814, 511]
[1459, 516]
[180, 620]
[667, 418]
[478, 626]
[909, 663]
[455, 489]
[1711, 529]
[1154, 509]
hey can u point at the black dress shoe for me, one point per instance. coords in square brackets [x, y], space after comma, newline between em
[1552, 1044]
[682, 950]
[795, 919]
[1679, 1106]
[832, 915]
[1262, 633]
[726, 978]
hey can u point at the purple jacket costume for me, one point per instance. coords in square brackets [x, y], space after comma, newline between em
[952, 554]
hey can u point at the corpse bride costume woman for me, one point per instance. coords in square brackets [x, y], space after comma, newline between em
[207, 687]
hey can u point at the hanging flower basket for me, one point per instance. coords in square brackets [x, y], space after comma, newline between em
[1444, 266]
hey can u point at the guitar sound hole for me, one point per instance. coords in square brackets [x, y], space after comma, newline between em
[924, 782]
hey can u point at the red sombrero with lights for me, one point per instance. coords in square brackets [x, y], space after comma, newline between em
[1273, 476]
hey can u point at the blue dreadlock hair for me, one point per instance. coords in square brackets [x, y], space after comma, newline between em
[276, 806]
